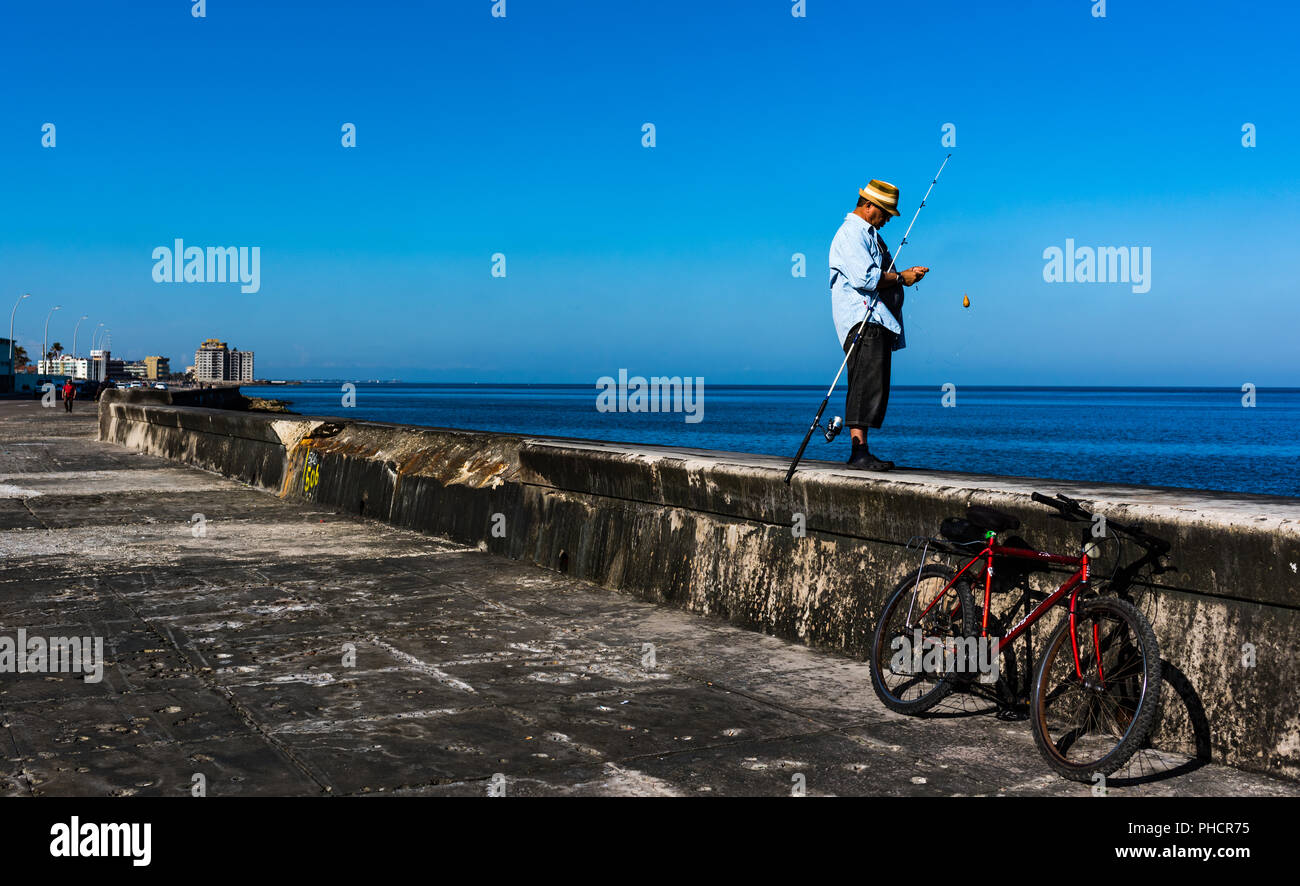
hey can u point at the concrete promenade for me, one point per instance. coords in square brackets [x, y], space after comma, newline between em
[276, 647]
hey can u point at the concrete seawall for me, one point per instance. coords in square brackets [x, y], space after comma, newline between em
[717, 533]
[223, 396]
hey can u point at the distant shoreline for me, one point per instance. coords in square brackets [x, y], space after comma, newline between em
[757, 387]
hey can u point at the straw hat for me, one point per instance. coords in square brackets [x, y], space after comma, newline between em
[883, 194]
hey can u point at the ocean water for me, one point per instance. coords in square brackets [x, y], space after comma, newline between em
[1200, 438]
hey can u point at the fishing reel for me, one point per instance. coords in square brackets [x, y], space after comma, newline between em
[833, 428]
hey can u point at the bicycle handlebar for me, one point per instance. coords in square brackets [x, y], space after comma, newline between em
[1070, 508]
[1050, 502]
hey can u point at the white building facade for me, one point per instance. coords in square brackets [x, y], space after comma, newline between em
[77, 367]
[214, 362]
[239, 365]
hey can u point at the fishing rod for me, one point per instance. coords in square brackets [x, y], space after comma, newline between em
[834, 425]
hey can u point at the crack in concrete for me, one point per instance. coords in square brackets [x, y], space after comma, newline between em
[423, 667]
[35, 517]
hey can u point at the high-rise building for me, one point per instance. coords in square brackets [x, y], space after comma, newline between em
[213, 361]
[239, 365]
[157, 368]
[210, 361]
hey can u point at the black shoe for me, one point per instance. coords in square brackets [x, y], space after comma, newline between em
[861, 458]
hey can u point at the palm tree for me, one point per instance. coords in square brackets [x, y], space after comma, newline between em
[55, 350]
[20, 357]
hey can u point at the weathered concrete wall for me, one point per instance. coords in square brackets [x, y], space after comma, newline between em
[712, 533]
[250, 446]
[219, 397]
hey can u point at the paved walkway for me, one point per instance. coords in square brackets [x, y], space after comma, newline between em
[272, 648]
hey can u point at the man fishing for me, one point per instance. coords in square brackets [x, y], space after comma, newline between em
[862, 281]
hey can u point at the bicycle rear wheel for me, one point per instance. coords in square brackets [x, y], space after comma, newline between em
[1092, 718]
[899, 683]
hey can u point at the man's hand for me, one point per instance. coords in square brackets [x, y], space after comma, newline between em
[913, 275]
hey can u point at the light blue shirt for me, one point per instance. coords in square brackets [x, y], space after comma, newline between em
[856, 260]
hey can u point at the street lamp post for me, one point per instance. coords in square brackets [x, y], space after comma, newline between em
[74, 334]
[44, 343]
[11, 328]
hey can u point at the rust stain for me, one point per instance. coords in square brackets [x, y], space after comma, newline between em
[456, 463]
[472, 469]
[295, 459]
[333, 445]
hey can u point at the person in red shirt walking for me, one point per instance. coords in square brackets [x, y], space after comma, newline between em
[69, 394]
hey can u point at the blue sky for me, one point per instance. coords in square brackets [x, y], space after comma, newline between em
[478, 135]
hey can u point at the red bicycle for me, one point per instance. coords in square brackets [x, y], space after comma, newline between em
[1095, 694]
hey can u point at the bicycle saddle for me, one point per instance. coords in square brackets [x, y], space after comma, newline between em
[991, 519]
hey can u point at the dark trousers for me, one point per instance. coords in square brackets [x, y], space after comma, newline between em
[67, 404]
[868, 396]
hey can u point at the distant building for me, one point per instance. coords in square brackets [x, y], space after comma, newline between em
[133, 369]
[64, 364]
[239, 365]
[157, 368]
[214, 362]
[23, 381]
[6, 368]
[210, 361]
[98, 368]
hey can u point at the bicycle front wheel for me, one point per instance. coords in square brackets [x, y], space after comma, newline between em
[1097, 691]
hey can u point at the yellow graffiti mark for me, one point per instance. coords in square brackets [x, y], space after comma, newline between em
[310, 473]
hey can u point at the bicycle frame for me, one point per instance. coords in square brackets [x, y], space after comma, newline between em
[1077, 582]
